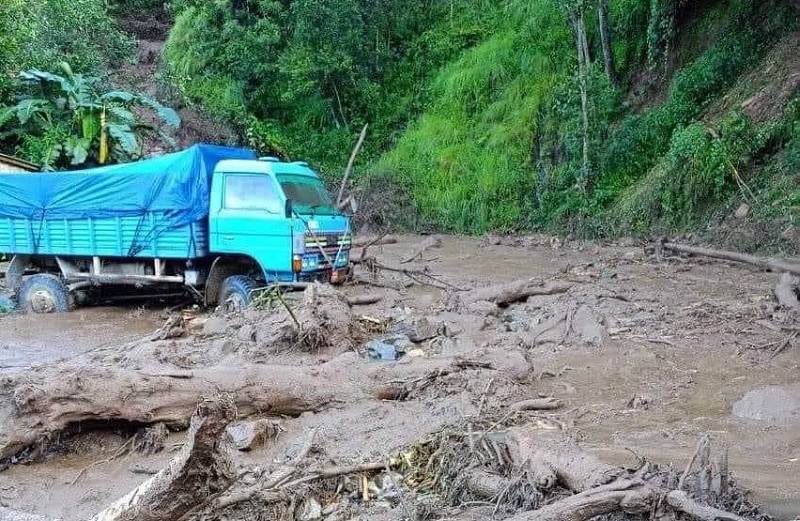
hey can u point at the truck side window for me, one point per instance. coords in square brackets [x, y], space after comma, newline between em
[251, 192]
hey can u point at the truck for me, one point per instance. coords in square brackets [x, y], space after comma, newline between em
[217, 222]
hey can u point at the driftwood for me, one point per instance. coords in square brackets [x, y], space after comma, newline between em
[597, 488]
[364, 300]
[61, 399]
[378, 241]
[506, 294]
[785, 292]
[536, 404]
[761, 262]
[201, 472]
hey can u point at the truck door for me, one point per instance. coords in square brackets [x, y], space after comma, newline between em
[251, 221]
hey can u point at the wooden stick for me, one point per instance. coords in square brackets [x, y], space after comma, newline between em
[761, 262]
[350, 163]
[364, 300]
[537, 404]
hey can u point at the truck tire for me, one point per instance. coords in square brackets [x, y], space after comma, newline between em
[236, 293]
[45, 293]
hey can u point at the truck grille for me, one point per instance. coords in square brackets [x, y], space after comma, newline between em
[328, 241]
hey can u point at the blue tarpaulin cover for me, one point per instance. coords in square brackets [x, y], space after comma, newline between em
[176, 185]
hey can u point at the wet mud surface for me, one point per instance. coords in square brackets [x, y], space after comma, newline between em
[646, 355]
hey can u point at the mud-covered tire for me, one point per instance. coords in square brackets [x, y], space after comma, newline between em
[236, 293]
[45, 293]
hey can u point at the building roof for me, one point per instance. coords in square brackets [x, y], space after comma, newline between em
[17, 162]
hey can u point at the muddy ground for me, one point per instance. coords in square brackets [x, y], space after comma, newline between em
[657, 353]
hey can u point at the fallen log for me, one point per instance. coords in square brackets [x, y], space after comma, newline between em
[785, 292]
[761, 262]
[553, 457]
[56, 399]
[626, 496]
[379, 241]
[506, 294]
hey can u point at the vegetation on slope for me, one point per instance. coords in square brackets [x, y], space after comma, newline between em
[496, 114]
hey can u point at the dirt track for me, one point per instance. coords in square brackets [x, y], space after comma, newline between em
[679, 343]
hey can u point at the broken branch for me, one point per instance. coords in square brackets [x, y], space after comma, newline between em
[761, 262]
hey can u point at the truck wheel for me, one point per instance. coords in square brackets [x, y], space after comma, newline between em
[45, 293]
[236, 293]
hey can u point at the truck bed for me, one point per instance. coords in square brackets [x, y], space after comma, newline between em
[144, 237]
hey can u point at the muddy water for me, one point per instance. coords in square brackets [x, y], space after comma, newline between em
[705, 315]
[27, 340]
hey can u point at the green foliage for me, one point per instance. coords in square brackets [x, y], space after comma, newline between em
[41, 34]
[474, 107]
[66, 120]
[303, 76]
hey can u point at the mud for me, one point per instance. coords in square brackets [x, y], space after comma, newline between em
[645, 355]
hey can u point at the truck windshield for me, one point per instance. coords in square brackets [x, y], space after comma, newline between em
[308, 194]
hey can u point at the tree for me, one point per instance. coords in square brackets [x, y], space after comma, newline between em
[576, 17]
[605, 40]
[67, 119]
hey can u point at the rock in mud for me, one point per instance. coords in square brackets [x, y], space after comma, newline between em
[778, 405]
[248, 435]
[246, 333]
[586, 324]
[381, 350]
[215, 326]
[418, 330]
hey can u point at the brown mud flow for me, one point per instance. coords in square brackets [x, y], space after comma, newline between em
[627, 355]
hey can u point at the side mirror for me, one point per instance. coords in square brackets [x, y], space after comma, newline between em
[289, 209]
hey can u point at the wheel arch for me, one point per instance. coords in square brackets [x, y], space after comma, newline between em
[224, 267]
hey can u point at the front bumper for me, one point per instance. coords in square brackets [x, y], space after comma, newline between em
[325, 276]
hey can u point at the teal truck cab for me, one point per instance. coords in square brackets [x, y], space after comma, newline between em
[217, 222]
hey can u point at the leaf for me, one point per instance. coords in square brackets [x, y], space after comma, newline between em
[90, 124]
[118, 95]
[121, 115]
[27, 108]
[78, 150]
[167, 115]
[6, 114]
[123, 135]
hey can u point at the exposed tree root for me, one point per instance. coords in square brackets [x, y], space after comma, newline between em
[201, 472]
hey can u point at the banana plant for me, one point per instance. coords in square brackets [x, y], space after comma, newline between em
[101, 126]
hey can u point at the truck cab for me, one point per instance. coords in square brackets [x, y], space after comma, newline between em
[279, 218]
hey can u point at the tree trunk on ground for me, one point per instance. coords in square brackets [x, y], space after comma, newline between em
[506, 294]
[761, 262]
[60, 398]
[605, 39]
